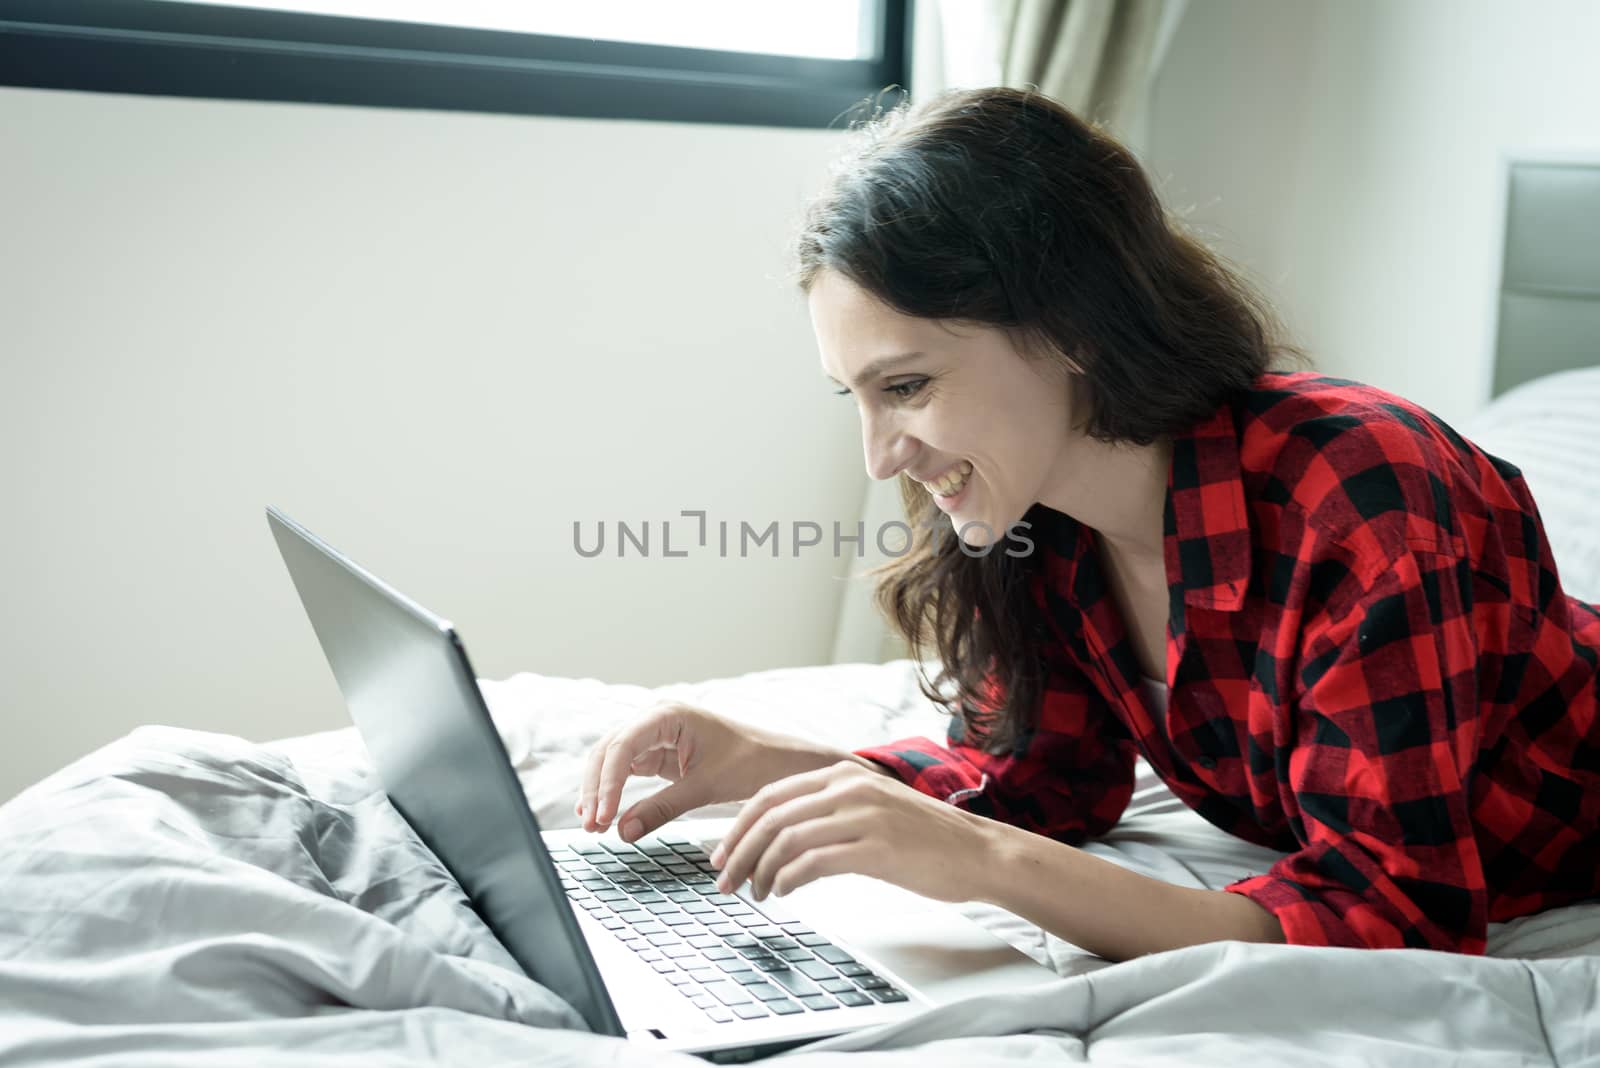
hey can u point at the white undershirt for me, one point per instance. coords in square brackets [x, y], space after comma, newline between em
[1156, 690]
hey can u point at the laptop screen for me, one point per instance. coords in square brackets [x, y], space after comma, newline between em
[413, 696]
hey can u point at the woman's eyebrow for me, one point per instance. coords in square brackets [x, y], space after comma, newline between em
[878, 366]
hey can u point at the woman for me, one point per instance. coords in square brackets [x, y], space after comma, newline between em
[1331, 625]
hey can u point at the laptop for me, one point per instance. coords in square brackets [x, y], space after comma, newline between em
[634, 936]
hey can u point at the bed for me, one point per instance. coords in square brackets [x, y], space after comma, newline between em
[182, 898]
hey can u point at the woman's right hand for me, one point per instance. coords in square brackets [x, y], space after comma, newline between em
[707, 759]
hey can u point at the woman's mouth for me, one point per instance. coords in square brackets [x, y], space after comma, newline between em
[948, 486]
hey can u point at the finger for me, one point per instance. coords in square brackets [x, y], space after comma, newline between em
[663, 806]
[774, 793]
[800, 837]
[839, 859]
[757, 841]
[659, 728]
[591, 780]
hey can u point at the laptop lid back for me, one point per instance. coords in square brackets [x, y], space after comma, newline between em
[415, 699]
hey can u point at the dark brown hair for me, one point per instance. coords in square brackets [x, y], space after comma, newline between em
[1000, 207]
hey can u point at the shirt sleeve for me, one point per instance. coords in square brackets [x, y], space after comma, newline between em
[1384, 734]
[1070, 778]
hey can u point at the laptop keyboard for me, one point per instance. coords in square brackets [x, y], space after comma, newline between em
[731, 959]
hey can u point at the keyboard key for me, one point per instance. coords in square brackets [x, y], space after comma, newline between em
[747, 978]
[719, 952]
[765, 992]
[661, 906]
[749, 1012]
[888, 995]
[727, 993]
[678, 979]
[819, 1002]
[741, 941]
[777, 942]
[726, 930]
[794, 982]
[871, 982]
[815, 940]
[705, 975]
[853, 998]
[835, 955]
[796, 954]
[784, 1007]
[797, 928]
[664, 939]
[651, 955]
[702, 1001]
[697, 907]
[611, 923]
[705, 941]
[678, 919]
[837, 986]
[720, 1015]
[764, 933]
[816, 969]
[589, 850]
[770, 964]
[679, 952]
[854, 968]
[664, 966]
[735, 964]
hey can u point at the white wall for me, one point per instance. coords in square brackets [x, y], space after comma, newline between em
[435, 338]
[1352, 154]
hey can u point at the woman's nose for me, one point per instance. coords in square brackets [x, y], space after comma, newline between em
[887, 449]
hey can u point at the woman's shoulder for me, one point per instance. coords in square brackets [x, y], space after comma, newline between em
[1354, 460]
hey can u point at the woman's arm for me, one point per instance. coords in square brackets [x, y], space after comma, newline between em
[1103, 908]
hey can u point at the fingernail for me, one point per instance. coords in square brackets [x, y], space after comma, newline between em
[632, 829]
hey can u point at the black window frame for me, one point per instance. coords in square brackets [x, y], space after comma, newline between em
[163, 48]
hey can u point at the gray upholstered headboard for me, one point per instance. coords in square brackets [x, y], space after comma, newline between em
[1549, 316]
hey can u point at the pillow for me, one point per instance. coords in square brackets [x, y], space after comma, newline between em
[1548, 428]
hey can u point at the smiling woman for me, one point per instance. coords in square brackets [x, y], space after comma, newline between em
[1258, 580]
[1328, 622]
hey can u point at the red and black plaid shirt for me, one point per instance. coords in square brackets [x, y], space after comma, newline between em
[1372, 667]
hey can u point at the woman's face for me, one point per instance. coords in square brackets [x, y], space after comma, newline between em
[984, 429]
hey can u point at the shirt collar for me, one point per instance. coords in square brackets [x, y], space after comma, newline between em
[1207, 523]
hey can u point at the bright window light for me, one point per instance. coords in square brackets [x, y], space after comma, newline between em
[823, 29]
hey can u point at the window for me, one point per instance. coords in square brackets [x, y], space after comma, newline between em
[757, 62]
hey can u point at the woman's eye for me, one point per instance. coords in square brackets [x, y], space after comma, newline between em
[906, 389]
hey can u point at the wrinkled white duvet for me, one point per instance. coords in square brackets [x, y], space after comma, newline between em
[182, 898]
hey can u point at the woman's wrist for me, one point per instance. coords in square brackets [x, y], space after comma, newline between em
[782, 755]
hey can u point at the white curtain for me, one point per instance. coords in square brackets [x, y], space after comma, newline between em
[1097, 57]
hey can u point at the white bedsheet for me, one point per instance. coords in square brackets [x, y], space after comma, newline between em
[181, 898]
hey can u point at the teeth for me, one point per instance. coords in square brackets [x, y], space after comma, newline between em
[951, 484]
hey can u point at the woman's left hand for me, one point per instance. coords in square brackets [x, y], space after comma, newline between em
[844, 818]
